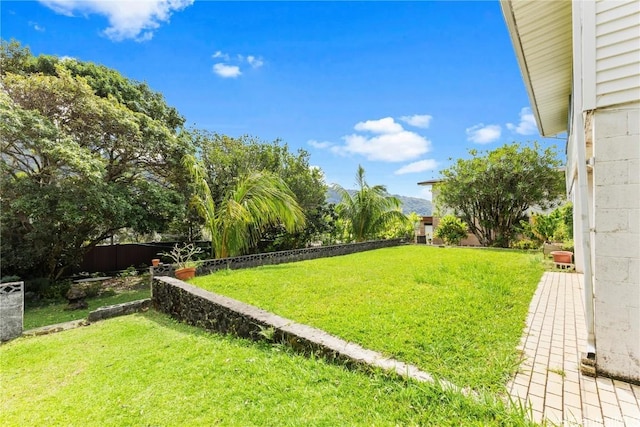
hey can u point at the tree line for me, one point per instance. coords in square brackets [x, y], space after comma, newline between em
[89, 155]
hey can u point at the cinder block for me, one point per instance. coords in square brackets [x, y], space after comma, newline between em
[611, 309]
[624, 196]
[610, 123]
[625, 147]
[633, 119]
[614, 269]
[634, 221]
[620, 244]
[634, 273]
[612, 220]
[611, 173]
[634, 170]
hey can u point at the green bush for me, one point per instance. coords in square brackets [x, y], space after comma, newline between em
[525, 244]
[48, 289]
[556, 226]
[451, 229]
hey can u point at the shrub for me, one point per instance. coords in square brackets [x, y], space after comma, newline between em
[525, 244]
[451, 229]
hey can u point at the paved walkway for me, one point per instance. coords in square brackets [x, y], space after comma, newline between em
[549, 378]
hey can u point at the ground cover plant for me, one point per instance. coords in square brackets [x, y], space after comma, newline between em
[147, 369]
[456, 313]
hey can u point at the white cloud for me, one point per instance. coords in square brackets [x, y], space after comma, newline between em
[527, 125]
[233, 65]
[418, 120]
[390, 142]
[419, 166]
[382, 126]
[36, 27]
[226, 71]
[255, 62]
[220, 54]
[481, 134]
[319, 144]
[127, 19]
[389, 147]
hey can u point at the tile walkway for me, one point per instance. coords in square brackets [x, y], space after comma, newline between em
[549, 378]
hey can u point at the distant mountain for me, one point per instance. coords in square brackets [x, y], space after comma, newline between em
[409, 204]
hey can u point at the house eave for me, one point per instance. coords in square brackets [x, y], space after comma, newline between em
[540, 32]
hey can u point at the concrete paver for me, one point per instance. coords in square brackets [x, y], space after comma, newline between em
[549, 378]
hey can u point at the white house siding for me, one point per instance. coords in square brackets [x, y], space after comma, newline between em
[616, 193]
[617, 57]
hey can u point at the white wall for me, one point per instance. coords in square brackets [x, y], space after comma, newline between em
[616, 172]
[617, 52]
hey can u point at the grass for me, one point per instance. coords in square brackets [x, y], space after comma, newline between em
[456, 313]
[146, 369]
[43, 313]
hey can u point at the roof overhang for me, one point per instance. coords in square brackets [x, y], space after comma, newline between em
[541, 33]
[430, 182]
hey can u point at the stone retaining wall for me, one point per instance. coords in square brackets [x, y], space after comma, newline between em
[217, 313]
[272, 258]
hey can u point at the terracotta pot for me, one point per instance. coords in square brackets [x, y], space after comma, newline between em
[186, 273]
[564, 257]
[155, 262]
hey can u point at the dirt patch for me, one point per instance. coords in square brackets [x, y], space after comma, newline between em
[124, 284]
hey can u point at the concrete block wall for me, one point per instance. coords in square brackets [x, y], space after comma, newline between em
[11, 310]
[616, 175]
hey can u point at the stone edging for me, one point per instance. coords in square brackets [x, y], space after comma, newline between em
[100, 313]
[122, 309]
[218, 313]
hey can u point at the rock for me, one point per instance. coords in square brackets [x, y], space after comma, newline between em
[76, 292]
[76, 296]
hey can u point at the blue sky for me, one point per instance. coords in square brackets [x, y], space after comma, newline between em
[398, 87]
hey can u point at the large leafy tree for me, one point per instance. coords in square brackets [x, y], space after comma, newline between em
[492, 190]
[369, 211]
[76, 166]
[226, 160]
[257, 200]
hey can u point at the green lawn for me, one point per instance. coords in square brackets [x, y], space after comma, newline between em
[51, 312]
[457, 313]
[146, 369]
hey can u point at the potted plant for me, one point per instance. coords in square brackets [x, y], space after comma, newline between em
[155, 262]
[562, 257]
[182, 257]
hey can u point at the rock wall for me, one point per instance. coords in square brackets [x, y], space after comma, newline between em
[217, 313]
[271, 258]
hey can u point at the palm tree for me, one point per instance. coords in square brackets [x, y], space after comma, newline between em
[369, 211]
[258, 200]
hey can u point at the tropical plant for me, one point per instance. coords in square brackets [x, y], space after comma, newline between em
[451, 229]
[258, 200]
[368, 212]
[402, 228]
[226, 159]
[556, 226]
